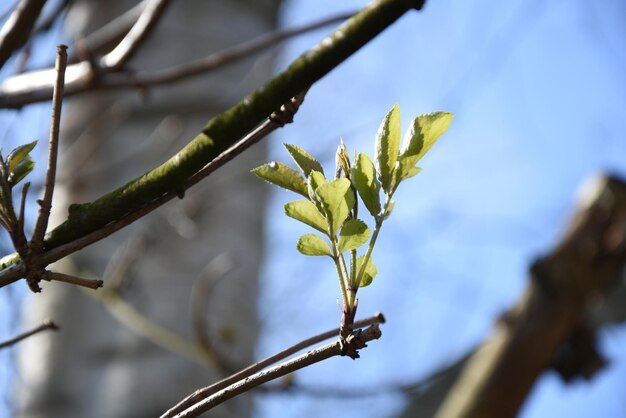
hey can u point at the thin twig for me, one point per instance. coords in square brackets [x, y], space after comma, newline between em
[46, 24]
[36, 86]
[256, 367]
[46, 325]
[66, 278]
[213, 61]
[325, 352]
[16, 30]
[45, 204]
[108, 36]
[417, 387]
[135, 321]
[136, 36]
[20, 218]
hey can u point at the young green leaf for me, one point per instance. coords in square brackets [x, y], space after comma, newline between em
[334, 201]
[282, 176]
[21, 170]
[422, 134]
[342, 160]
[316, 179]
[365, 181]
[387, 146]
[306, 212]
[369, 273]
[353, 234]
[407, 171]
[343, 210]
[311, 244]
[18, 154]
[304, 160]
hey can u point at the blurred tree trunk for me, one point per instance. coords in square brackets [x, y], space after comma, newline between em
[96, 367]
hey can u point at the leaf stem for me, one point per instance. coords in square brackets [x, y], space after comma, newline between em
[337, 258]
[354, 287]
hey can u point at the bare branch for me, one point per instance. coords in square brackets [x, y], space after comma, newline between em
[36, 86]
[212, 274]
[204, 403]
[256, 367]
[17, 29]
[66, 278]
[47, 23]
[136, 36]
[46, 325]
[45, 204]
[581, 268]
[214, 61]
[108, 36]
[146, 328]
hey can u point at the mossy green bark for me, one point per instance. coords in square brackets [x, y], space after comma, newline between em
[225, 129]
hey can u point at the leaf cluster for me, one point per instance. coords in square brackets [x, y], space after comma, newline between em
[17, 165]
[331, 206]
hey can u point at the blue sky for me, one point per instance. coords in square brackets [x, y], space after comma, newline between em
[539, 93]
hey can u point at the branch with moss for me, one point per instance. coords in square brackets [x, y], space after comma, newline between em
[220, 133]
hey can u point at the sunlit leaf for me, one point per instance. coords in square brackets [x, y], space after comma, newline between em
[311, 244]
[21, 170]
[370, 271]
[18, 154]
[315, 180]
[282, 176]
[387, 146]
[365, 181]
[304, 160]
[306, 212]
[335, 203]
[353, 234]
[422, 134]
[407, 170]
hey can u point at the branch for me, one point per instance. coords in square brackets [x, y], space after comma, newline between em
[66, 278]
[36, 86]
[108, 36]
[46, 325]
[17, 29]
[147, 79]
[563, 284]
[48, 22]
[45, 204]
[208, 391]
[357, 340]
[136, 36]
